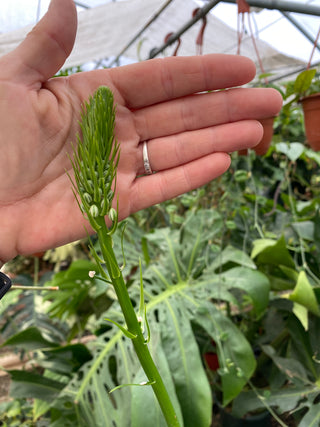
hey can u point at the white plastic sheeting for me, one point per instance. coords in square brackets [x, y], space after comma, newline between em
[104, 31]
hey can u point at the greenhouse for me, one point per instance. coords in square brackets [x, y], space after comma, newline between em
[160, 213]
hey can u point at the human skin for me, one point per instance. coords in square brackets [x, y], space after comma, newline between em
[172, 103]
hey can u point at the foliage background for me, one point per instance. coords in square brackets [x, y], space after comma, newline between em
[230, 270]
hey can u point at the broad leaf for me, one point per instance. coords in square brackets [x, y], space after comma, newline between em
[312, 417]
[144, 402]
[236, 358]
[303, 294]
[29, 339]
[303, 81]
[174, 299]
[28, 384]
[292, 150]
[234, 256]
[284, 400]
[185, 363]
[255, 284]
[268, 251]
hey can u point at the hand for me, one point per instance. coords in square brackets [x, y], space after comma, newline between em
[189, 133]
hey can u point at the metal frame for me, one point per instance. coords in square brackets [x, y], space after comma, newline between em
[266, 4]
[284, 7]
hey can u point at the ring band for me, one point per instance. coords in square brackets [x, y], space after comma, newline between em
[146, 162]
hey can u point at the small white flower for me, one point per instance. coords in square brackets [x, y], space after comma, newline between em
[92, 274]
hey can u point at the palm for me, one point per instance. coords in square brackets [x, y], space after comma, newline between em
[155, 101]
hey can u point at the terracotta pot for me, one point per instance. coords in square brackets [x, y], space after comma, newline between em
[212, 361]
[265, 142]
[311, 111]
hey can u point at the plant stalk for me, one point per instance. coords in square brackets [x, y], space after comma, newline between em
[134, 327]
[35, 288]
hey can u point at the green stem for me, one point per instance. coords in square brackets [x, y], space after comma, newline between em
[134, 327]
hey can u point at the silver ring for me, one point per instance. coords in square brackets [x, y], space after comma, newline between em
[146, 162]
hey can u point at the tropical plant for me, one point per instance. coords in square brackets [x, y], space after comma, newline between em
[231, 268]
[306, 83]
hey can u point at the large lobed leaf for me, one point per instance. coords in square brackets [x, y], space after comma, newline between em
[176, 298]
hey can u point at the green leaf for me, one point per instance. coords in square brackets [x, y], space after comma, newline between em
[66, 359]
[144, 402]
[303, 294]
[12, 297]
[291, 273]
[183, 356]
[40, 407]
[176, 297]
[29, 339]
[125, 331]
[293, 150]
[292, 368]
[268, 251]
[284, 400]
[302, 347]
[236, 358]
[114, 363]
[27, 384]
[79, 296]
[254, 283]
[301, 313]
[303, 81]
[312, 417]
[260, 245]
[304, 229]
[232, 255]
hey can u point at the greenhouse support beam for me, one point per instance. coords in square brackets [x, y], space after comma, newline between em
[202, 12]
[151, 20]
[80, 4]
[292, 73]
[300, 28]
[287, 6]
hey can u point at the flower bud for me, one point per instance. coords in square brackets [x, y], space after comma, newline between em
[87, 197]
[94, 211]
[113, 215]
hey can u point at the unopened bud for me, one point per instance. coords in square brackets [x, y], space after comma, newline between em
[94, 211]
[87, 197]
[113, 214]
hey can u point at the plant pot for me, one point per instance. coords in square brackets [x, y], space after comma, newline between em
[211, 360]
[265, 142]
[263, 419]
[311, 111]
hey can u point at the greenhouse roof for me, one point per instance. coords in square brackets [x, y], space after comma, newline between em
[283, 31]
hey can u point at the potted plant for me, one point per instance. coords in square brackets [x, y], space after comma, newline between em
[306, 89]
[262, 147]
[267, 122]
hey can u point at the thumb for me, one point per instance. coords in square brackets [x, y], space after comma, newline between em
[46, 47]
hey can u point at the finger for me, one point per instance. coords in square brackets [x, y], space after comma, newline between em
[179, 76]
[157, 188]
[175, 150]
[205, 110]
[46, 47]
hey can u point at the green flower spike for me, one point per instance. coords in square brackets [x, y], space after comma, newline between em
[96, 160]
[95, 164]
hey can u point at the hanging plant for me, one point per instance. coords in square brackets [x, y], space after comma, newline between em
[306, 91]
